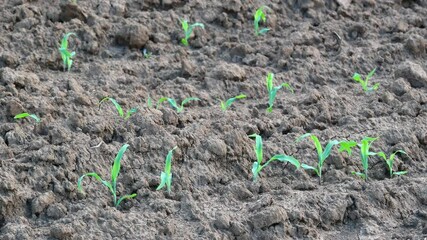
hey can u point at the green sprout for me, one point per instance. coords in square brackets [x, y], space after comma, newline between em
[173, 103]
[257, 167]
[390, 161]
[225, 105]
[166, 176]
[272, 91]
[146, 53]
[322, 155]
[24, 115]
[364, 83]
[364, 153]
[112, 186]
[149, 102]
[65, 54]
[260, 16]
[119, 108]
[188, 29]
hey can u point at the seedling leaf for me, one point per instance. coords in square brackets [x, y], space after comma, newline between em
[24, 115]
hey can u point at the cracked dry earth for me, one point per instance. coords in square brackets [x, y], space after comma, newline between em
[315, 46]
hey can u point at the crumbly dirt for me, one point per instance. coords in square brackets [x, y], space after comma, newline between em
[315, 46]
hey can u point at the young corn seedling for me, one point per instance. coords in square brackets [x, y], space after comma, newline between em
[188, 29]
[272, 91]
[390, 161]
[112, 186]
[146, 53]
[149, 102]
[173, 103]
[225, 105]
[364, 153]
[118, 108]
[25, 115]
[321, 155]
[358, 78]
[65, 54]
[166, 176]
[258, 166]
[260, 16]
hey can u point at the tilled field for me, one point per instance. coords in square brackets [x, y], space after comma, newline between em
[314, 46]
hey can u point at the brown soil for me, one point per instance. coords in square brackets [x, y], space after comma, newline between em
[316, 46]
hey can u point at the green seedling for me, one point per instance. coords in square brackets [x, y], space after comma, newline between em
[173, 103]
[65, 54]
[257, 166]
[149, 102]
[225, 105]
[321, 155]
[119, 108]
[260, 15]
[166, 176]
[390, 161]
[25, 115]
[358, 78]
[112, 186]
[272, 91]
[188, 29]
[146, 53]
[364, 153]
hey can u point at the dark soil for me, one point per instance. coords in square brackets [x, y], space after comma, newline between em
[316, 46]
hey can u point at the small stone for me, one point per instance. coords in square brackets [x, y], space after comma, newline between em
[56, 211]
[400, 87]
[268, 216]
[133, 36]
[41, 202]
[232, 5]
[14, 108]
[221, 221]
[412, 72]
[227, 71]
[75, 86]
[62, 231]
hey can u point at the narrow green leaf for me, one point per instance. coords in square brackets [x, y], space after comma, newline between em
[125, 197]
[285, 158]
[173, 103]
[163, 180]
[300, 138]
[227, 104]
[287, 86]
[269, 80]
[400, 173]
[362, 175]
[185, 101]
[264, 31]
[130, 112]
[308, 167]
[24, 115]
[258, 147]
[357, 78]
[255, 170]
[370, 74]
[328, 149]
[347, 146]
[116, 104]
[168, 163]
[116, 166]
[96, 176]
[161, 100]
